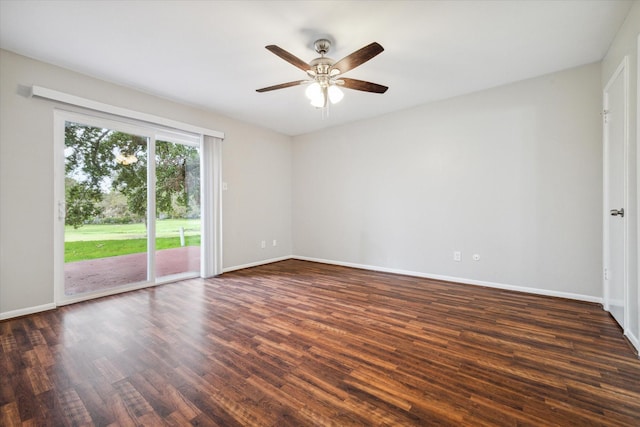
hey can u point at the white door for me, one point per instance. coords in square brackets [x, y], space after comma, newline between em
[615, 188]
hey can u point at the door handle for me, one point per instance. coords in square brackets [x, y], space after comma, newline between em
[616, 212]
[61, 210]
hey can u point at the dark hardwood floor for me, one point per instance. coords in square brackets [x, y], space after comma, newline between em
[299, 343]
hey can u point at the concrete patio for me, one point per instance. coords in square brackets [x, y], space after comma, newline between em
[104, 273]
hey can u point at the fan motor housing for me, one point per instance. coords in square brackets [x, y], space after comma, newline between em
[321, 65]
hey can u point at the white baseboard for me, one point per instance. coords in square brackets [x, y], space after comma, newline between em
[255, 264]
[634, 341]
[25, 311]
[463, 280]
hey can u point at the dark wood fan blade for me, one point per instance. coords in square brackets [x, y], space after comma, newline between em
[358, 57]
[281, 86]
[290, 58]
[363, 86]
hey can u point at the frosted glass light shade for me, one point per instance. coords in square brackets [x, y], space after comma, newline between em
[335, 94]
[314, 91]
[318, 101]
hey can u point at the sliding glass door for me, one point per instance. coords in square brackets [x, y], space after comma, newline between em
[177, 219]
[131, 209]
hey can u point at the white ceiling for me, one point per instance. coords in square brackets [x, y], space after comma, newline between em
[211, 54]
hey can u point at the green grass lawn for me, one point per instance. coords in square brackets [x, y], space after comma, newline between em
[164, 228]
[101, 241]
[92, 249]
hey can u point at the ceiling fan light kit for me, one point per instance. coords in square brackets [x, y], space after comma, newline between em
[325, 73]
[318, 94]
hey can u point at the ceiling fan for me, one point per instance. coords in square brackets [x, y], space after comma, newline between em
[325, 74]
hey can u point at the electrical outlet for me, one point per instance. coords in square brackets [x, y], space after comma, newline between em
[457, 256]
[263, 244]
[476, 257]
[275, 242]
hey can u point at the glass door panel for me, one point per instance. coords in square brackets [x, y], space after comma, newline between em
[177, 225]
[105, 235]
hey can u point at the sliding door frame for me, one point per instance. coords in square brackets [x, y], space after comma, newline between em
[210, 203]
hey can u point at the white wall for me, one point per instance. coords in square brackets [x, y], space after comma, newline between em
[626, 43]
[512, 174]
[256, 165]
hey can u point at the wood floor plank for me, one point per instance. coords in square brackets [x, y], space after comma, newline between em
[9, 415]
[297, 343]
[73, 408]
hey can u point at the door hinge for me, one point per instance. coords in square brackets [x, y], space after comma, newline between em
[605, 116]
[606, 274]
